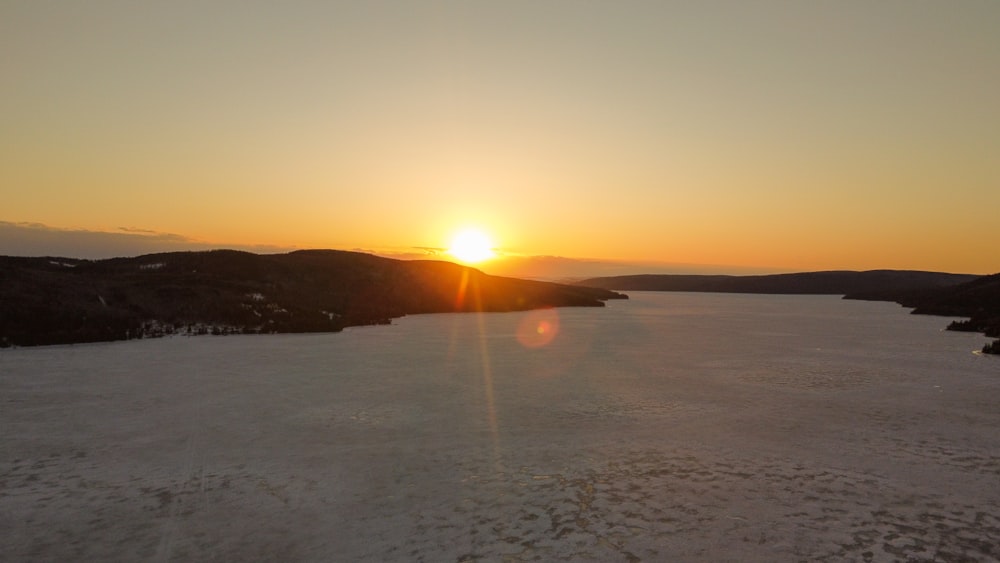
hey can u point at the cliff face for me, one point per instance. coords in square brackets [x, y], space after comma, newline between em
[60, 300]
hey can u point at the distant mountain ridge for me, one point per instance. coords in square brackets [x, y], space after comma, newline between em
[64, 300]
[836, 282]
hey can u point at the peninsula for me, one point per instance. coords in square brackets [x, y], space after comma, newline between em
[63, 300]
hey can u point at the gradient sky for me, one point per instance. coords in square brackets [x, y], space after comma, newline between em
[796, 135]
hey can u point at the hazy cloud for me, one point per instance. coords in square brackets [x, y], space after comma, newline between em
[35, 239]
[561, 268]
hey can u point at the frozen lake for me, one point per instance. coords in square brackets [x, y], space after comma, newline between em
[673, 426]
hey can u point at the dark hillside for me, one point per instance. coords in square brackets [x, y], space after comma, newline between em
[931, 293]
[818, 283]
[978, 299]
[59, 300]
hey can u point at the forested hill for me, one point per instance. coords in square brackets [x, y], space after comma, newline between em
[831, 283]
[978, 299]
[932, 293]
[64, 300]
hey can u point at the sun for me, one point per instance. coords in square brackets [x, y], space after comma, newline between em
[471, 246]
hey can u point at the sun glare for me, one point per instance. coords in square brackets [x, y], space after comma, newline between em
[471, 246]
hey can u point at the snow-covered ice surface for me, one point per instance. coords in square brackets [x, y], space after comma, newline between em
[671, 427]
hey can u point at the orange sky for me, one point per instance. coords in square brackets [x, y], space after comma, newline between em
[769, 135]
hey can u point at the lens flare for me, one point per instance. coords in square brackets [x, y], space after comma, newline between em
[538, 328]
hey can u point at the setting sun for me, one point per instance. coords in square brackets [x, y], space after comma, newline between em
[471, 245]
